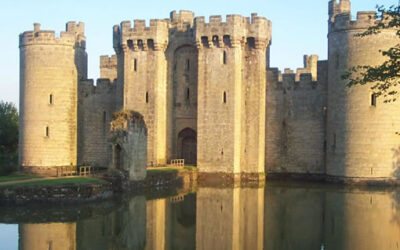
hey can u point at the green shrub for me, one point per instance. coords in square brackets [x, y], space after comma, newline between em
[8, 163]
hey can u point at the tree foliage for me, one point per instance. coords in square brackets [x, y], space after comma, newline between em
[8, 127]
[384, 77]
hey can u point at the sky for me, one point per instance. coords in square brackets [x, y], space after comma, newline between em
[299, 27]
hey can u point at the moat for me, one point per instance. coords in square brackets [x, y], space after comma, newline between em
[287, 215]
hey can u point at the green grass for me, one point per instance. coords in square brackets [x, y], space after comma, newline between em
[190, 167]
[17, 176]
[162, 171]
[57, 182]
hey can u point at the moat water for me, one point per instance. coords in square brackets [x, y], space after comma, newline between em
[278, 216]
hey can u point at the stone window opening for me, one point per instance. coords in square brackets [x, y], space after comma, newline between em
[187, 64]
[204, 41]
[47, 132]
[51, 99]
[373, 99]
[187, 94]
[104, 121]
[337, 61]
[140, 44]
[135, 65]
[130, 44]
[147, 97]
[227, 40]
[224, 57]
[150, 44]
[224, 97]
[251, 42]
[334, 142]
[215, 41]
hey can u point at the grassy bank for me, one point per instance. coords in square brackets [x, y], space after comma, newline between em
[56, 182]
[8, 163]
[17, 176]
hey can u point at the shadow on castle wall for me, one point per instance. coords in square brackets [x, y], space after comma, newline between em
[396, 162]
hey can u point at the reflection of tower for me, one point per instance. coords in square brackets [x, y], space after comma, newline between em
[293, 218]
[54, 236]
[230, 218]
[121, 229]
[361, 130]
[362, 220]
[156, 224]
[50, 68]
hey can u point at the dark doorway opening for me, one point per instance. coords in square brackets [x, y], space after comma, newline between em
[187, 144]
[117, 157]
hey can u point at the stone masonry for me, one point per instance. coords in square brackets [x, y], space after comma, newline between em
[207, 94]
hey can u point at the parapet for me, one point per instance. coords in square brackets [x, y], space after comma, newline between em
[184, 16]
[108, 61]
[141, 37]
[236, 31]
[303, 77]
[103, 86]
[72, 36]
[335, 8]
[364, 20]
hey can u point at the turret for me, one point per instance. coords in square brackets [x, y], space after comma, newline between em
[50, 67]
[142, 68]
[231, 94]
[361, 129]
[335, 8]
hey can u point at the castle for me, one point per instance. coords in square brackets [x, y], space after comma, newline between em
[208, 95]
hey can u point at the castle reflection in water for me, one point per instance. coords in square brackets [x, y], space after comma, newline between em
[275, 217]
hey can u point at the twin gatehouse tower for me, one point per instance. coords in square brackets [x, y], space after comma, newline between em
[207, 94]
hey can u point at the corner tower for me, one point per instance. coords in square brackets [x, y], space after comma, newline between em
[142, 78]
[232, 58]
[361, 130]
[50, 68]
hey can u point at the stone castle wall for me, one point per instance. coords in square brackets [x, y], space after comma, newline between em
[296, 119]
[95, 112]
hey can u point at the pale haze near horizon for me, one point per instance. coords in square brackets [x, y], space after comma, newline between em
[298, 27]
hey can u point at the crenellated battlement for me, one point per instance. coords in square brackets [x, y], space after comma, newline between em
[303, 77]
[103, 86]
[336, 8]
[108, 61]
[343, 21]
[141, 37]
[306, 74]
[236, 31]
[72, 36]
[184, 16]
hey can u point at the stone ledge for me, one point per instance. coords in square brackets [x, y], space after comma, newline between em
[340, 180]
[67, 193]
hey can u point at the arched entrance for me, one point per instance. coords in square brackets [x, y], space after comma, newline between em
[187, 145]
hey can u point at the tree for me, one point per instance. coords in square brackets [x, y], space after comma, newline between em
[8, 127]
[386, 76]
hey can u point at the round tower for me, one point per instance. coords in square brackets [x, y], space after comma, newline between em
[361, 129]
[50, 68]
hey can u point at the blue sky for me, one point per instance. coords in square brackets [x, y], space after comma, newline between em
[299, 27]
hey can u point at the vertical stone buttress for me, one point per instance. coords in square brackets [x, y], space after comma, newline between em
[361, 136]
[231, 93]
[142, 70]
[50, 68]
